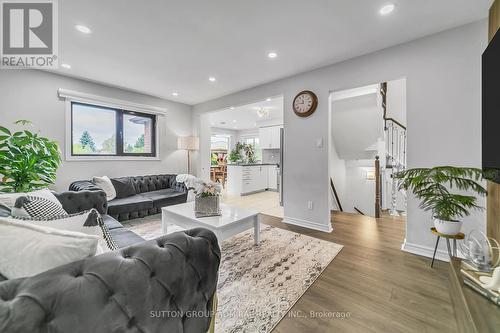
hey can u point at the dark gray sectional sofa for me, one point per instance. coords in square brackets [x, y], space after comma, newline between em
[145, 286]
[139, 196]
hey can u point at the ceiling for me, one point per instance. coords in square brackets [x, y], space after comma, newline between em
[163, 46]
[246, 117]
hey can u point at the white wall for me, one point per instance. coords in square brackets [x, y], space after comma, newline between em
[360, 192]
[396, 100]
[443, 115]
[32, 95]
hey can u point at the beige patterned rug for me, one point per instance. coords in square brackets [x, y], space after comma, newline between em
[259, 284]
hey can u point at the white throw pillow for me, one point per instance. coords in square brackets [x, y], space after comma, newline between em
[107, 186]
[9, 199]
[88, 222]
[29, 249]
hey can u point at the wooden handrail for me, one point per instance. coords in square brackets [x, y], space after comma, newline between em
[378, 187]
[396, 122]
[359, 211]
[383, 92]
[336, 195]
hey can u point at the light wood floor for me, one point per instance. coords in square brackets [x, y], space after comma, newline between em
[266, 202]
[380, 287]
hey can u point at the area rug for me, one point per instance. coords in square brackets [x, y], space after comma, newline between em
[259, 284]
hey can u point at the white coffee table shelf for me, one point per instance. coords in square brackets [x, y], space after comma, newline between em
[232, 221]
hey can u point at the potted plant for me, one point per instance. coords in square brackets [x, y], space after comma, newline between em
[235, 155]
[433, 186]
[27, 161]
[206, 202]
[249, 152]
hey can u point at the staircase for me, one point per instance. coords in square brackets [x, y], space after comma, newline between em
[395, 141]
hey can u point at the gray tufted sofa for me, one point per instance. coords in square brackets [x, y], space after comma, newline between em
[149, 195]
[163, 285]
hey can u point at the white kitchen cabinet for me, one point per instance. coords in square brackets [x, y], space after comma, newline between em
[246, 179]
[269, 137]
[272, 177]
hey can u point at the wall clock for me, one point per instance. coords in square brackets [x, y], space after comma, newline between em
[305, 103]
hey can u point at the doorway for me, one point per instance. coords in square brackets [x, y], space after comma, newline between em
[367, 146]
[242, 147]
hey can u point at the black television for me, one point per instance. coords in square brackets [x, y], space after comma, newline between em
[491, 110]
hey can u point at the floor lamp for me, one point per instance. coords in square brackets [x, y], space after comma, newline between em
[188, 143]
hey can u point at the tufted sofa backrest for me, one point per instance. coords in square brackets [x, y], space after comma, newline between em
[153, 182]
[79, 201]
[147, 287]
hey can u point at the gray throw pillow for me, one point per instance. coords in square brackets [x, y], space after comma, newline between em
[123, 187]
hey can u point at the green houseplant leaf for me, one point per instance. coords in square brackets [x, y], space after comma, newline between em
[433, 187]
[27, 161]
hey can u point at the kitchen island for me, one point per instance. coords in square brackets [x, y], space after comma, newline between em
[244, 179]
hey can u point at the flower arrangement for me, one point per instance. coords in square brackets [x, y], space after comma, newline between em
[205, 189]
[206, 201]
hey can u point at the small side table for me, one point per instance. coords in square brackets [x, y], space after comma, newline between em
[447, 237]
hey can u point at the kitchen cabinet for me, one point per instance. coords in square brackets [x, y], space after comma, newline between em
[269, 137]
[247, 179]
[272, 177]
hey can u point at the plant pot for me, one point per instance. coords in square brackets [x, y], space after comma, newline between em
[447, 227]
[207, 206]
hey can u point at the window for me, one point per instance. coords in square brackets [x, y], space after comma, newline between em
[219, 142]
[254, 141]
[102, 131]
[219, 147]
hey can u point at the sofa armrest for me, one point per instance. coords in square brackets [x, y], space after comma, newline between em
[163, 285]
[181, 187]
[84, 185]
[75, 202]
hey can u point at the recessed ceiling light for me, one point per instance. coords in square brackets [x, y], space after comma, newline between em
[387, 9]
[211, 79]
[175, 93]
[234, 120]
[231, 108]
[268, 100]
[272, 55]
[83, 29]
[67, 66]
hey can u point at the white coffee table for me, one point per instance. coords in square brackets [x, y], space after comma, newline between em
[232, 221]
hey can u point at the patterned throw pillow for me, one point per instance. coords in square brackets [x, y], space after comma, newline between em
[31, 206]
[88, 222]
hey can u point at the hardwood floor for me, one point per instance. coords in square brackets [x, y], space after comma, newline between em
[266, 202]
[374, 285]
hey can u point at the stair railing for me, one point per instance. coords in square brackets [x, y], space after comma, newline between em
[335, 194]
[395, 147]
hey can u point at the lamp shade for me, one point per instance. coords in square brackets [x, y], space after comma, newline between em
[188, 143]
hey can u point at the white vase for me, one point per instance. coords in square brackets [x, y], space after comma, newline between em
[447, 227]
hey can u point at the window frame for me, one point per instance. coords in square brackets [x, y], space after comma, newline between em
[68, 96]
[119, 113]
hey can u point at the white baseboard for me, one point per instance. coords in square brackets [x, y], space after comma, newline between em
[308, 224]
[426, 251]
